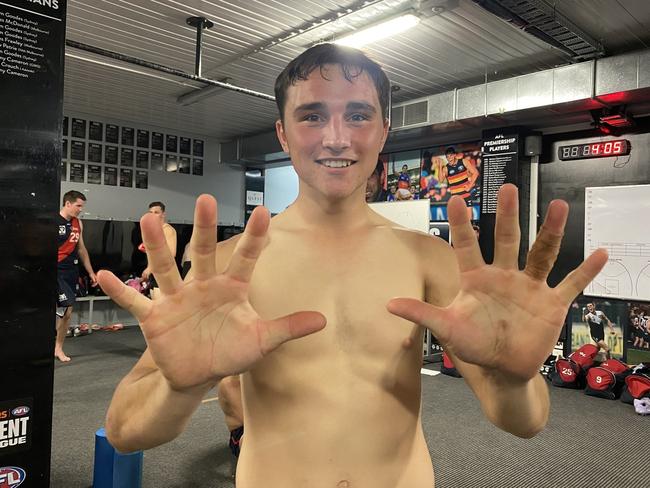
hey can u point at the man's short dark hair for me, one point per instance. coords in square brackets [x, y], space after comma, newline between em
[72, 196]
[450, 150]
[353, 63]
[157, 204]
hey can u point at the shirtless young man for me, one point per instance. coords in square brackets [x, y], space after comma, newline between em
[158, 209]
[339, 406]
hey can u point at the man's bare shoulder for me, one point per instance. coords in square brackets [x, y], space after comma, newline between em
[168, 229]
[224, 251]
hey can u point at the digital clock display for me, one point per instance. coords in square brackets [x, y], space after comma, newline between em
[590, 150]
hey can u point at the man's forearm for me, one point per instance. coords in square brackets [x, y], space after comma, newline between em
[145, 412]
[521, 408]
[85, 260]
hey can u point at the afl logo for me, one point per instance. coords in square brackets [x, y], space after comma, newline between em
[20, 411]
[11, 476]
[61, 230]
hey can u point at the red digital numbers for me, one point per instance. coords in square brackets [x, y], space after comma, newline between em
[594, 150]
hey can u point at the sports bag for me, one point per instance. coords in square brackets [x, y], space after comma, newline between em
[607, 379]
[448, 367]
[566, 373]
[637, 385]
[584, 356]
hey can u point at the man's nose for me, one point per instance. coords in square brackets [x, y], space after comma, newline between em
[336, 136]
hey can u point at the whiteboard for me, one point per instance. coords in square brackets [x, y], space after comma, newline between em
[412, 214]
[617, 218]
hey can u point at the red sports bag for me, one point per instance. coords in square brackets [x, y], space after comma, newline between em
[637, 385]
[448, 367]
[584, 357]
[566, 373]
[607, 379]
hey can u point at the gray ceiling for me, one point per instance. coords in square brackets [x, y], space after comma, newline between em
[252, 40]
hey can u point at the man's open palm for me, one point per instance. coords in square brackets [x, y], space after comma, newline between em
[204, 329]
[502, 318]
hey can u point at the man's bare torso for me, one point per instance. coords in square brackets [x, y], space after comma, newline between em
[339, 408]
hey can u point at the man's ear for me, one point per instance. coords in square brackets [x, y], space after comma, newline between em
[282, 137]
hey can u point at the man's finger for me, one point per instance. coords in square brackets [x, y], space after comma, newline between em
[507, 235]
[543, 254]
[125, 296]
[273, 333]
[249, 247]
[161, 262]
[579, 278]
[421, 313]
[463, 237]
[204, 242]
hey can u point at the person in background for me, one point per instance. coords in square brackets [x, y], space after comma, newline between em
[71, 250]
[375, 184]
[158, 208]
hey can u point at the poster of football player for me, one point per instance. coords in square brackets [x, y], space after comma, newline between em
[637, 333]
[598, 322]
[451, 170]
[376, 184]
[403, 176]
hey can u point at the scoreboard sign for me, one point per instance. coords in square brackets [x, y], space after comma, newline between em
[602, 149]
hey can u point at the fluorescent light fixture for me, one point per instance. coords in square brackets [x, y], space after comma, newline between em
[379, 31]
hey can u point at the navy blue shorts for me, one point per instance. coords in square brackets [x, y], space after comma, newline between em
[67, 280]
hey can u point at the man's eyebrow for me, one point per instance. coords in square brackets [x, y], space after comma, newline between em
[361, 106]
[310, 106]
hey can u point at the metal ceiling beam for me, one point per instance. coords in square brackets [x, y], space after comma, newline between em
[165, 69]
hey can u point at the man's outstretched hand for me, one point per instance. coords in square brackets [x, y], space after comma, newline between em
[204, 329]
[504, 319]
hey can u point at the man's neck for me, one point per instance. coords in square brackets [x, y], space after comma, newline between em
[338, 216]
[65, 215]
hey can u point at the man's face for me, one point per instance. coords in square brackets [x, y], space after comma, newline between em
[157, 211]
[373, 187]
[591, 307]
[333, 129]
[75, 209]
[451, 157]
[405, 169]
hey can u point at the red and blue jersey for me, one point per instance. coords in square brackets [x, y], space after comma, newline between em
[69, 234]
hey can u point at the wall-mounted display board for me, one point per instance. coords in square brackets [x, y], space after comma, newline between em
[93, 144]
[614, 220]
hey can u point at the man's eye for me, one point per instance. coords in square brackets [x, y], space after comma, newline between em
[313, 118]
[358, 117]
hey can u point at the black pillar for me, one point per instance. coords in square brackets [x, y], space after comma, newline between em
[32, 37]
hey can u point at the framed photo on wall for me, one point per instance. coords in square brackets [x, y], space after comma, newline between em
[597, 321]
[96, 131]
[110, 175]
[126, 177]
[128, 136]
[79, 128]
[637, 333]
[77, 173]
[112, 133]
[94, 174]
[157, 161]
[157, 141]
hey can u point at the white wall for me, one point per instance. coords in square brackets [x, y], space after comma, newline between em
[280, 188]
[178, 191]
